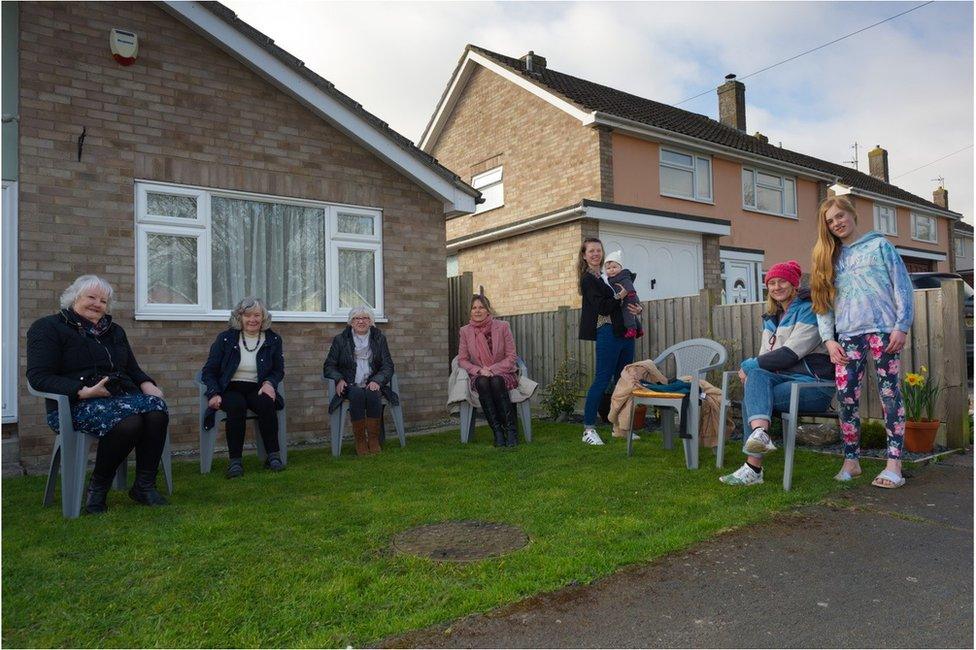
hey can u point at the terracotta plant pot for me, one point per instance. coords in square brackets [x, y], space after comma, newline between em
[640, 413]
[920, 436]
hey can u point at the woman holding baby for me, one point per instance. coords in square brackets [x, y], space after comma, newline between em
[607, 306]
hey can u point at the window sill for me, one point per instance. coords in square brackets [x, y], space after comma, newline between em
[688, 198]
[275, 317]
[478, 214]
[926, 241]
[746, 208]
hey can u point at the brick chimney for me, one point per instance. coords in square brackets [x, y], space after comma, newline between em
[878, 163]
[940, 197]
[533, 62]
[732, 103]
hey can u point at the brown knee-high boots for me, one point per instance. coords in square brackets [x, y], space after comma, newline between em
[373, 433]
[359, 432]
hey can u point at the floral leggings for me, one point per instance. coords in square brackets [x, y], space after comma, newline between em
[849, 380]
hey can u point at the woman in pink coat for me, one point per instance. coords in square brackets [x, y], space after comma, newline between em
[486, 350]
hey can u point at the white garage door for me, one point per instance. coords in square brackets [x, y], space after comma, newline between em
[668, 264]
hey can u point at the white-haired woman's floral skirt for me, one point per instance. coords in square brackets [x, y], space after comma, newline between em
[99, 415]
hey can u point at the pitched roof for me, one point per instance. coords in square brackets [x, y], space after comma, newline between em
[595, 97]
[267, 44]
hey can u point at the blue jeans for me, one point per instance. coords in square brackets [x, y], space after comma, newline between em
[612, 354]
[770, 391]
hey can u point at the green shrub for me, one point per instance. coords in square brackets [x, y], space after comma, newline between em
[873, 434]
[560, 396]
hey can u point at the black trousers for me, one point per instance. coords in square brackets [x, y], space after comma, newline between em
[363, 402]
[493, 388]
[235, 401]
[146, 433]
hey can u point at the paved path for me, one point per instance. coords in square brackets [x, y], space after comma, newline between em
[888, 568]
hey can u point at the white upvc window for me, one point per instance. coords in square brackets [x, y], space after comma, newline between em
[200, 250]
[769, 193]
[685, 175]
[492, 190]
[960, 248]
[925, 228]
[885, 219]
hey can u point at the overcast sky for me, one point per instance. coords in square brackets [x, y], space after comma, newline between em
[906, 84]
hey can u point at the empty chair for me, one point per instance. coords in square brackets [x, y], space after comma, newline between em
[694, 358]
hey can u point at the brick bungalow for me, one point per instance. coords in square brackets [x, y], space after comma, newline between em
[693, 202]
[213, 166]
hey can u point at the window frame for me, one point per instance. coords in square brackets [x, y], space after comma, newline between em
[960, 248]
[781, 188]
[693, 168]
[877, 216]
[201, 229]
[479, 183]
[935, 228]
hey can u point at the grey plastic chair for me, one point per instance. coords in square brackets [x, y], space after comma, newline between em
[694, 357]
[70, 458]
[337, 419]
[208, 439]
[469, 417]
[790, 422]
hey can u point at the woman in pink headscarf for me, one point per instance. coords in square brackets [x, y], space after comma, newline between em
[486, 350]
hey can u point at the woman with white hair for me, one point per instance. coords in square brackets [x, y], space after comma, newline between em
[245, 366]
[81, 353]
[360, 363]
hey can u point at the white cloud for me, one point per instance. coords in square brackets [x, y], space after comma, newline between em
[906, 84]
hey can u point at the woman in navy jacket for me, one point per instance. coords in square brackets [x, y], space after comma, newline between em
[245, 366]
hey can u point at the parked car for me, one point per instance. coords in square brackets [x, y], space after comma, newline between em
[934, 281]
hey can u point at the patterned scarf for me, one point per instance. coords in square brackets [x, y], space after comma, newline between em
[90, 328]
[482, 341]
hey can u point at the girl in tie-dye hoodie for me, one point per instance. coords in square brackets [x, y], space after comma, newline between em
[862, 295]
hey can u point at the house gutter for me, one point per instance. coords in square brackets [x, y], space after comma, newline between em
[536, 223]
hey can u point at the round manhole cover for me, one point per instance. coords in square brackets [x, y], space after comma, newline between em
[460, 541]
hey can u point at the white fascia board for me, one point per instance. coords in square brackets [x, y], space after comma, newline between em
[515, 229]
[321, 103]
[631, 127]
[740, 256]
[446, 107]
[656, 221]
[907, 252]
[914, 207]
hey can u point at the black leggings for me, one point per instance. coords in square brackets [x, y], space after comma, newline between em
[493, 388]
[363, 402]
[235, 401]
[145, 432]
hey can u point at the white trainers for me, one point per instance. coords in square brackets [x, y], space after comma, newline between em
[591, 437]
[743, 476]
[758, 442]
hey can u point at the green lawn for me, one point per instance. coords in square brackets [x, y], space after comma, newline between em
[303, 558]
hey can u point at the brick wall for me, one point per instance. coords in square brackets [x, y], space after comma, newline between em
[533, 272]
[549, 160]
[712, 265]
[185, 112]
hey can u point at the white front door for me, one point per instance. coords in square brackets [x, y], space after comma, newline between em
[741, 275]
[668, 264]
[740, 282]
